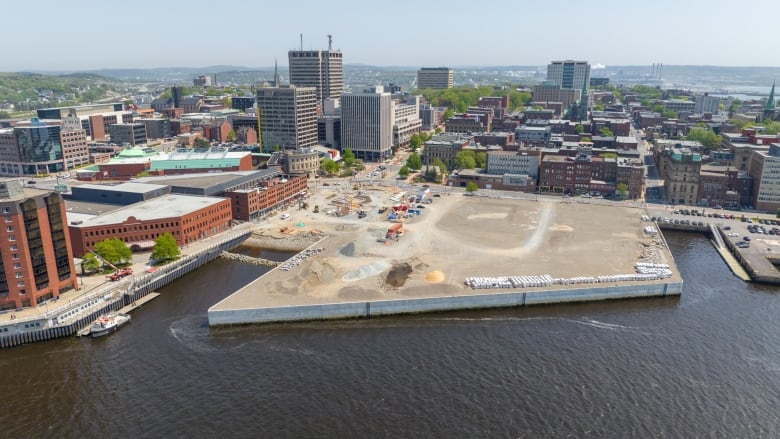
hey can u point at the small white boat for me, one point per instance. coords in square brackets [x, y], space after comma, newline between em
[107, 324]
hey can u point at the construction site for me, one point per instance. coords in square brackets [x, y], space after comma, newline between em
[422, 247]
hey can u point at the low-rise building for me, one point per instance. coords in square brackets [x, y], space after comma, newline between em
[445, 147]
[249, 204]
[127, 133]
[187, 218]
[533, 135]
[510, 162]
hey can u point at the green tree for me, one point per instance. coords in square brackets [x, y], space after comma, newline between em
[404, 171]
[165, 248]
[348, 157]
[414, 162]
[439, 163]
[622, 190]
[579, 129]
[113, 250]
[465, 160]
[448, 113]
[471, 187]
[437, 130]
[480, 160]
[415, 142]
[200, 142]
[606, 132]
[227, 102]
[586, 139]
[608, 155]
[89, 263]
[330, 167]
[705, 136]
[231, 136]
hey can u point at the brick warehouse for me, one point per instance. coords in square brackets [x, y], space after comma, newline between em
[187, 218]
[253, 203]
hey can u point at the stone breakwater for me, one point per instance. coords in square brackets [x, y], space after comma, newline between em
[248, 259]
[283, 242]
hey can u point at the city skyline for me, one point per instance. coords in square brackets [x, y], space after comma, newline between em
[607, 33]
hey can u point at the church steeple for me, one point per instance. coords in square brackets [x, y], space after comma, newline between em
[277, 78]
[769, 108]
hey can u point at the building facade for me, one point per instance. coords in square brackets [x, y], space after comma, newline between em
[321, 69]
[255, 203]
[36, 263]
[680, 169]
[127, 133]
[511, 162]
[40, 148]
[367, 124]
[436, 78]
[75, 149]
[187, 218]
[157, 128]
[765, 170]
[569, 73]
[288, 116]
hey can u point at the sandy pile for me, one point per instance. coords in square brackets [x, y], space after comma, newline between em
[434, 277]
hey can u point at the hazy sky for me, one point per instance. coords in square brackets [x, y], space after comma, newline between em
[94, 34]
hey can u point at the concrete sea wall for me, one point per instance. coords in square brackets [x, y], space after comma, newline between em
[367, 309]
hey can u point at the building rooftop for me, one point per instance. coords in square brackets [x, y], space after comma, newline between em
[169, 206]
[134, 187]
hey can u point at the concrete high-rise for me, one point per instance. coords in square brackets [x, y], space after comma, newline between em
[288, 116]
[36, 261]
[321, 69]
[437, 78]
[367, 124]
[569, 74]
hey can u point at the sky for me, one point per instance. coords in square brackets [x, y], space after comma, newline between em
[97, 34]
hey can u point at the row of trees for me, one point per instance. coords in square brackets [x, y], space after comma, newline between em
[460, 98]
[348, 163]
[116, 252]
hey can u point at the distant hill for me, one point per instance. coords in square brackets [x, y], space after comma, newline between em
[34, 90]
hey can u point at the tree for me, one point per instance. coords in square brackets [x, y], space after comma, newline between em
[622, 189]
[439, 163]
[608, 155]
[471, 187]
[89, 263]
[200, 142]
[705, 136]
[586, 139]
[579, 129]
[448, 113]
[437, 130]
[113, 250]
[414, 162]
[227, 102]
[404, 171]
[465, 160]
[348, 157]
[330, 167]
[415, 142]
[165, 248]
[606, 132]
[480, 160]
[231, 136]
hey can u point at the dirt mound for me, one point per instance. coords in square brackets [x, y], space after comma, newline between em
[398, 275]
[434, 277]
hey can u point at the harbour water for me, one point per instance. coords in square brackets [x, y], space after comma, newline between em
[706, 364]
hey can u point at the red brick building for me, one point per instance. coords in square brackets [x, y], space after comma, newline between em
[253, 203]
[187, 218]
[36, 263]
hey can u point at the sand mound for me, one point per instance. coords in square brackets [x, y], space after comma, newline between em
[366, 271]
[434, 276]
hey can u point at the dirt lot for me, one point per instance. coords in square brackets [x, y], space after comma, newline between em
[455, 237]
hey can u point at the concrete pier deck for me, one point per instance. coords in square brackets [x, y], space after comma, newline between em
[454, 238]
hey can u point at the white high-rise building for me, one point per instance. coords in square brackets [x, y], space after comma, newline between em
[569, 74]
[367, 124]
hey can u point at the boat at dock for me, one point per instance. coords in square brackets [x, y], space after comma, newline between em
[108, 323]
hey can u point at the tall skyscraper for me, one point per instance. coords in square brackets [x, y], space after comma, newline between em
[367, 124]
[568, 74]
[288, 116]
[321, 69]
[36, 262]
[437, 78]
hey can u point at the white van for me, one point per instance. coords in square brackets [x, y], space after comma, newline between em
[285, 216]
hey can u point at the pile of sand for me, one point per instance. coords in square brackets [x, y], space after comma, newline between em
[434, 277]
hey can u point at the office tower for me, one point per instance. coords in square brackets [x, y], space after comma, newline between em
[36, 262]
[321, 69]
[367, 124]
[40, 147]
[436, 78]
[177, 95]
[569, 74]
[288, 116]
